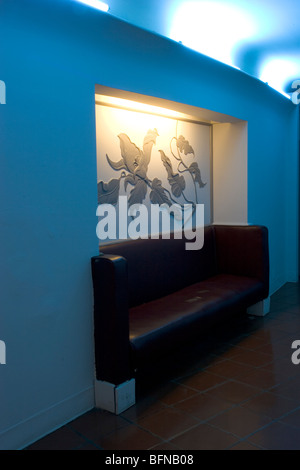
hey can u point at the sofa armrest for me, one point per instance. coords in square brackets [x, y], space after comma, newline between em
[243, 250]
[111, 318]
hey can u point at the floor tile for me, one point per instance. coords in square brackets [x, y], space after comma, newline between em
[289, 389]
[252, 342]
[144, 407]
[202, 380]
[175, 393]
[239, 421]
[282, 368]
[203, 406]
[253, 358]
[204, 437]
[129, 438]
[89, 446]
[97, 423]
[269, 335]
[260, 378]
[234, 392]
[229, 351]
[164, 446]
[244, 445]
[229, 369]
[277, 349]
[277, 436]
[271, 405]
[292, 418]
[62, 439]
[167, 423]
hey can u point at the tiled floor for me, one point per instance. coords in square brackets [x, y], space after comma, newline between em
[239, 391]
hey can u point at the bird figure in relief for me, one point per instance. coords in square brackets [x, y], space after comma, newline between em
[134, 159]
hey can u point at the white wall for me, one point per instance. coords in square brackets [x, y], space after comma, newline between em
[230, 188]
[52, 54]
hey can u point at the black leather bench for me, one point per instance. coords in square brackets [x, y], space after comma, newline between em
[153, 296]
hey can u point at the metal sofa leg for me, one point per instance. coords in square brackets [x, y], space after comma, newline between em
[114, 398]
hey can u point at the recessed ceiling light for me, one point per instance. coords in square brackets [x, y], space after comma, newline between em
[137, 106]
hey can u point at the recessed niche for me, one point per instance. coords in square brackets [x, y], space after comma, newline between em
[155, 151]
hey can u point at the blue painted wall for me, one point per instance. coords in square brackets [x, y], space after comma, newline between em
[52, 54]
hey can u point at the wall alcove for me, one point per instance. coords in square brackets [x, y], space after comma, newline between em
[183, 153]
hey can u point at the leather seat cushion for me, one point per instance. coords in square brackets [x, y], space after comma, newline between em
[157, 326]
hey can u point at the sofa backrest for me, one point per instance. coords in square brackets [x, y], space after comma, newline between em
[243, 250]
[159, 267]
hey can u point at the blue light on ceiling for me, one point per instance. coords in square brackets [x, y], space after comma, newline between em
[95, 4]
[278, 70]
[213, 28]
[260, 38]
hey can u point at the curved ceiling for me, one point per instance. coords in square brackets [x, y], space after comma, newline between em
[261, 37]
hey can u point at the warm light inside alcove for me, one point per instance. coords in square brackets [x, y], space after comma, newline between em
[138, 106]
[226, 166]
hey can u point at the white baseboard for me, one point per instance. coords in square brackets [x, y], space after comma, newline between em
[114, 398]
[24, 433]
[260, 309]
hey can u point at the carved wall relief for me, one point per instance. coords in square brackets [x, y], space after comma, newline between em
[152, 159]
